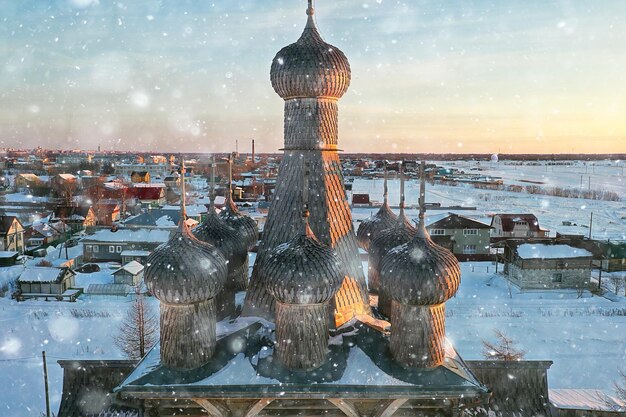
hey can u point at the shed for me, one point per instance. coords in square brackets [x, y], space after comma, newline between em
[135, 255]
[361, 199]
[40, 280]
[8, 258]
[130, 274]
[585, 403]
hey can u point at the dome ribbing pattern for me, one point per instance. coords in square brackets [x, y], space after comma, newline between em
[310, 67]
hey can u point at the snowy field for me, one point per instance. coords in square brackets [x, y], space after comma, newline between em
[583, 336]
[609, 217]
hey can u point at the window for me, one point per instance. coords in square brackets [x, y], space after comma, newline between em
[470, 232]
[96, 248]
[111, 249]
[118, 249]
[437, 232]
[557, 277]
[469, 249]
[87, 248]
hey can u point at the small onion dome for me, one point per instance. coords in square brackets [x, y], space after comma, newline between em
[420, 272]
[228, 240]
[243, 224]
[303, 271]
[310, 67]
[370, 228]
[400, 233]
[185, 270]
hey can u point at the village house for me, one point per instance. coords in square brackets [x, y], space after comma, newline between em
[8, 258]
[45, 234]
[129, 274]
[107, 245]
[152, 194]
[140, 256]
[466, 238]
[11, 234]
[25, 182]
[107, 212]
[40, 281]
[517, 226]
[78, 218]
[155, 170]
[137, 177]
[547, 266]
[64, 185]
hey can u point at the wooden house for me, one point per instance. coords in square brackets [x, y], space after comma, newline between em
[534, 265]
[140, 256]
[107, 212]
[46, 234]
[8, 258]
[11, 234]
[107, 245]
[585, 403]
[78, 218]
[361, 200]
[148, 195]
[26, 182]
[39, 281]
[517, 226]
[137, 177]
[64, 185]
[466, 238]
[129, 274]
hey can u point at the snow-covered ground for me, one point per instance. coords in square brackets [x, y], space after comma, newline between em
[583, 336]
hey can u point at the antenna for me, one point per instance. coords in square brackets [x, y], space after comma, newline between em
[386, 189]
[183, 197]
[212, 195]
[401, 188]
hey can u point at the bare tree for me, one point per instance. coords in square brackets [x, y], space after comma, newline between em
[138, 332]
[617, 282]
[503, 349]
[617, 402]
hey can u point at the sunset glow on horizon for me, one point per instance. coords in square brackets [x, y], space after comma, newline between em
[427, 76]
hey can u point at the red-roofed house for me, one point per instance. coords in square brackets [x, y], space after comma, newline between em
[517, 226]
[148, 195]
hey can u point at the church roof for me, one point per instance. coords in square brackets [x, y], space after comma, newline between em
[358, 366]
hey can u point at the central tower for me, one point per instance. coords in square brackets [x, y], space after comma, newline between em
[311, 76]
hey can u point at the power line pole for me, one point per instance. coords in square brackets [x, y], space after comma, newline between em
[590, 225]
[45, 381]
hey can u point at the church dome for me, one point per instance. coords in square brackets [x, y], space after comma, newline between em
[227, 239]
[303, 271]
[245, 225]
[371, 227]
[185, 270]
[420, 272]
[401, 232]
[310, 67]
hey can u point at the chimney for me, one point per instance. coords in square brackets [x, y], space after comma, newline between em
[253, 151]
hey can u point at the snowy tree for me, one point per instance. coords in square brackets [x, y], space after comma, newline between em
[503, 349]
[138, 332]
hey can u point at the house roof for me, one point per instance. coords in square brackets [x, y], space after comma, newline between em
[6, 254]
[140, 173]
[67, 177]
[584, 399]
[455, 221]
[42, 274]
[508, 221]
[29, 177]
[146, 193]
[135, 253]
[543, 251]
[133, 268]
[65, 212]
[129, 235]
[6, 222]
[50, 229]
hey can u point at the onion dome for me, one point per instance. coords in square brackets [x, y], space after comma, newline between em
[370, 228]
[185, 270]
[420, 272]
[310, 67]
[303, 271]
[245, 225]
[401, 232]
[228, 240]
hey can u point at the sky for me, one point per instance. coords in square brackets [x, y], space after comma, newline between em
[447, 76]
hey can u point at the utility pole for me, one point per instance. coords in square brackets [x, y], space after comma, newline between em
[589, 183]
[581, 182]
[45, 382]
[590, 225]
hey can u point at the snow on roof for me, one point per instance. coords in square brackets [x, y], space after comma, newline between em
[543, 251]
[5, 254]
[133, 268]
[135, 253]
[584, 399]
[165, 221]
[130, 235]
[40, 274]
